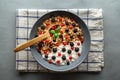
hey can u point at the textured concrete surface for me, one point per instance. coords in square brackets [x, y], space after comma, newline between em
[111, 13]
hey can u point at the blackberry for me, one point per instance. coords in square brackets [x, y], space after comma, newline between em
[46, 56]
[69, 51]
[71, 44]
[54, 50]
[53, 57]
[63, 49]
[63, 57]
[76, 49]
[68, 63]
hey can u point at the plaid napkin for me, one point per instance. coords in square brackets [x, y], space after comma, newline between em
[25, 19]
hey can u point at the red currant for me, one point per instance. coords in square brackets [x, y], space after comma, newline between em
[70, 57]
[78, 43]
[78, 54]
[58, 61]
[59, 54]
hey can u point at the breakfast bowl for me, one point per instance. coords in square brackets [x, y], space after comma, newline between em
[65, 64]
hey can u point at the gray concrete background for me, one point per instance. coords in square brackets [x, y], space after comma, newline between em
[111, 13]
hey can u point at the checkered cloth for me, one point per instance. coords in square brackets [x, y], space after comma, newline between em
[25, 19]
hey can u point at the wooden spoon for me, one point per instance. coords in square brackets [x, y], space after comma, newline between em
[33, 41]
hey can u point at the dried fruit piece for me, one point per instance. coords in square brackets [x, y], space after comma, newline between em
[58, 62]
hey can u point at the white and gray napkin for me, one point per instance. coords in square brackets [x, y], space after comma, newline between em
[25, 19]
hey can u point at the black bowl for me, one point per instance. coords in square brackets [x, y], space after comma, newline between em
[85, 48]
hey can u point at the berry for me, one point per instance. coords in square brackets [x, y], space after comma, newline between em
[78, 43]
[40, 32]
[45, 52]
[58, 61]
[47, 40]
[69, 51]
[66, 30]
[60, 19]
[51, 35]
[46, 56]
[63, 49]
[63, 57]
[62, 25]
[75, 30]
[72, 48]
[70, 57]
[64, 43]
[71, 44]
[54, 50]
[53, 57]
[76, 49]
[50, 61]
[70, 27]
[78, 54]
[47, 24]
[59, 54]
[81, 39]
[66, 36]
[53, 27]
[57, 44]
[68, 63]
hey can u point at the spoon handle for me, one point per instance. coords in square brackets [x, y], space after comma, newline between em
[31, 42]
